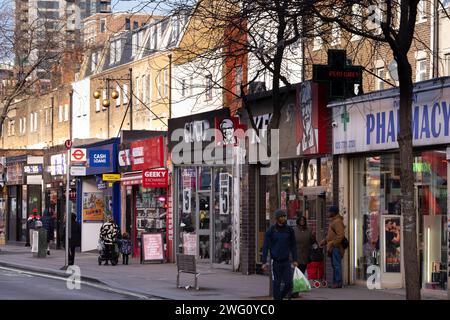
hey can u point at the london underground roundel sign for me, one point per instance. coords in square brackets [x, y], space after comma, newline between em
[78, 155]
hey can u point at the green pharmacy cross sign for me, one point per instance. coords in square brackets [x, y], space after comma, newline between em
[340, 76]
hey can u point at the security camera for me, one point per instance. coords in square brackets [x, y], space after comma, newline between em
[334, 124]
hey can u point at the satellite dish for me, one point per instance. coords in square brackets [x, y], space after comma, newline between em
[393, 70]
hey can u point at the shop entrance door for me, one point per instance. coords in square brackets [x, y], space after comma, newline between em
[315, 209]
[204, 225]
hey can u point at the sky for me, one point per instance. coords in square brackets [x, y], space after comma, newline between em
[146, 6]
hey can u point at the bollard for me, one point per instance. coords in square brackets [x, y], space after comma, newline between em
[39, 247]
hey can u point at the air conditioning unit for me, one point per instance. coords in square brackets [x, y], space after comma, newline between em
[257, 86]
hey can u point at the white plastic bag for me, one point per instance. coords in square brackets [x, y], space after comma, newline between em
[300, 282]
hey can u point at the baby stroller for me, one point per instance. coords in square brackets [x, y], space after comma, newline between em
[103, 256]
[315, 268]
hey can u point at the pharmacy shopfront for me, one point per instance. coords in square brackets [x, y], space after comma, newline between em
[365, 138]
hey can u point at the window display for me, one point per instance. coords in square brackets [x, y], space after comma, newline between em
[151, 211]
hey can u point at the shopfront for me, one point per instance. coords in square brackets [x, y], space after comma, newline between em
[3, 199]
[305, 168]
[97, 199]
[144, 183]
[24, 181]
[204, 201]
[366, 140]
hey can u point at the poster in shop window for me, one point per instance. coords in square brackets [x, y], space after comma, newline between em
[93, 206]
[187, 200]
[392, 243]
[224, 199]
[152, 245]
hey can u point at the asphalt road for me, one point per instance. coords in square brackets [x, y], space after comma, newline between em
[15, 285]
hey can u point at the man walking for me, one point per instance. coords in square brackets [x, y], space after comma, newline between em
[333, 241]
[280, 240]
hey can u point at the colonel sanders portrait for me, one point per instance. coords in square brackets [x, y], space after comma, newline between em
[308, 137]
[227, 129]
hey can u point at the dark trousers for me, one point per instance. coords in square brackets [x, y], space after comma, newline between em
[72, 255]
[125, 258]
[108, 252]
[282, 273]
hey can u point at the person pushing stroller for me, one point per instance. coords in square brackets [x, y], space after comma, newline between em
[108, 235]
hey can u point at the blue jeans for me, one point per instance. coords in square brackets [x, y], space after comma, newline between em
[336, 262]
[282, 272]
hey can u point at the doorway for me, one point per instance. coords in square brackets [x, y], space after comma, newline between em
[204, 225]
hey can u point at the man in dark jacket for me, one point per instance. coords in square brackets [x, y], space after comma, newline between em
[280, 240]
[75, 238]
[48, 223]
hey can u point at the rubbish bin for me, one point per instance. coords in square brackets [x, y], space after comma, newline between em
[39, 247]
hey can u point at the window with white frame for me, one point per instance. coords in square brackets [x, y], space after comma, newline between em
[335, 35]
[317, 42]
[166, 82]
[118, 103]
[31, 122]
[20, 126]
[380, 79]
[175, 28]
[421, 70]
[136, 85]
[97, 105]
[134, 44]
[112, 53]
[357, 20]
[47, 116]
[149, 89]
[447, 63]
[238, 81]
[208, 87]
[421, 11]
[66, 112]
[144, 89]
[94, 61]
[24, 119]
[125, 93]
[103, 26]
[160, 83]
[104, 96]
[155, 37]
[60, 113]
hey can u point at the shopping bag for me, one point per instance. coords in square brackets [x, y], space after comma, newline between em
[301, 284]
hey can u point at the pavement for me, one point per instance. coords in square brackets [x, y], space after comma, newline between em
[158, 281]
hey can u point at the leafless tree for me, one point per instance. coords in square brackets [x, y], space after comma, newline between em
[30, 50]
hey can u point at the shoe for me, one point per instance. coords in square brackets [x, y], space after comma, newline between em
[336, 286]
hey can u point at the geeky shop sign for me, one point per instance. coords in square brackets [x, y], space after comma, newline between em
[375, 124]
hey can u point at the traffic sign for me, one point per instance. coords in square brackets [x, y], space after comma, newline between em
[111, 177]
[68, 144]
[77, 171]
[78, 155]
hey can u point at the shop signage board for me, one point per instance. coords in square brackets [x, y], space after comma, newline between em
[124, 158]
[371, 122]
[99, 158]
[155, 178]
[190, 243]
[33, 169]
[77, 171]
[148, 153]
[78, 155]
[111, 177]
[152, 247]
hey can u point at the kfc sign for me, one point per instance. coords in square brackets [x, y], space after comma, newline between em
[228, 131]
[155, 178]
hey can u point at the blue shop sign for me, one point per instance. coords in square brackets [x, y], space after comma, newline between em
[99, 158]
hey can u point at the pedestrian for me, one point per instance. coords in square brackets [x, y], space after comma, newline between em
[280, 240]
[48, 223]
[304, 239]
[31, 224]
[75, 238]
[108, 234]
[125, 247]
[333, 243]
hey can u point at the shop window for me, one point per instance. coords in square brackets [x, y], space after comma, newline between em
[223, 208]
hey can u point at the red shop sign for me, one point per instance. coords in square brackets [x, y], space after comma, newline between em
[147, 153]
[155, 178]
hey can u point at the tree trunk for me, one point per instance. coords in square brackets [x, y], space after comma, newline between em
[410, 252]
